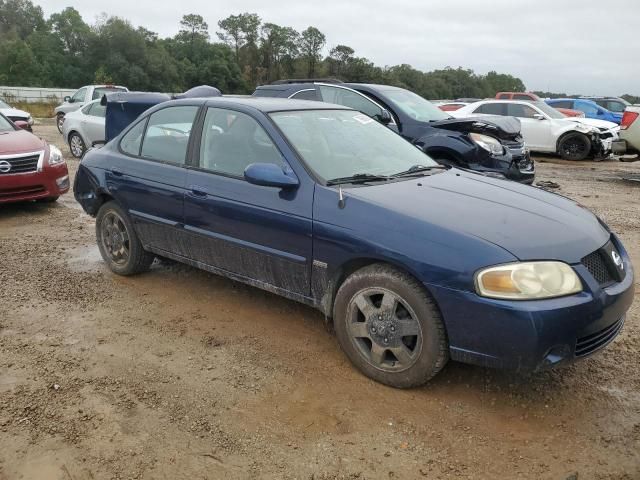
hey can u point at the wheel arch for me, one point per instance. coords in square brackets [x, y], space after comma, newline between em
[340, 273]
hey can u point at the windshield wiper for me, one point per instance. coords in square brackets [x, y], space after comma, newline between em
[418, 169]
[358, 178]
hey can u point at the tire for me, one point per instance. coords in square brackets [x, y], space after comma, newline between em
[76, 145]
[59, 121]
[48, 199]
[574, 146]
[401, 341]
[118, 242]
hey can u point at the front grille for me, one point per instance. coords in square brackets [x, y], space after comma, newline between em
[19, 164]
[595, 263]
[590, 343]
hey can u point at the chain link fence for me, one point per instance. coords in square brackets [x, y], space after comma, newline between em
[34, 94]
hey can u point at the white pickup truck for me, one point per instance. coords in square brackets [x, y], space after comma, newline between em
[630, 128]
[81, 97]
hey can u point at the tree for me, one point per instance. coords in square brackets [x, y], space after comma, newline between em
[278, 47]
[339, 58]
[313, 40]
[69, 26]
[231, 33]
[20, 18]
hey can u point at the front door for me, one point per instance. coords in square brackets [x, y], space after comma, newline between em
[260, 234]
[535, 131]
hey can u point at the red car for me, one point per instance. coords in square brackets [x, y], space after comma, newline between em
[570, 112]
[30, 168]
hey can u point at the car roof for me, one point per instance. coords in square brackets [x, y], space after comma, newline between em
[262, 104]
[373, 86]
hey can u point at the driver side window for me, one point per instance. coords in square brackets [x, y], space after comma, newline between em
[231, 141]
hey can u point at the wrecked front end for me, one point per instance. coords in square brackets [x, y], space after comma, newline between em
[512, 161]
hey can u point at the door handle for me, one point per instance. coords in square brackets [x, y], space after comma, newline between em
[198, 191]
[116, 172]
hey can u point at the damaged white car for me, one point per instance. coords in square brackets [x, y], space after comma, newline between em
[544, 129]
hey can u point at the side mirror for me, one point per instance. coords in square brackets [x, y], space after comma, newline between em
[270, 175]
[385, 117]
[22, 124]
[538, 116]
[67, 99]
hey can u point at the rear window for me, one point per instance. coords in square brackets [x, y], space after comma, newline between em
[100, 91]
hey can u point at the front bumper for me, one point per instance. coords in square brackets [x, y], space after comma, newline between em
[52, 181]
[532, 335]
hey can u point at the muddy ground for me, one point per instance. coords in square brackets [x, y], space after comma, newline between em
[181, 374]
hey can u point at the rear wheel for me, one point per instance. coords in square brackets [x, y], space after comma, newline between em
[389, 327]
[76, 145]
[59, 121]
[118, 242]
[574, 146]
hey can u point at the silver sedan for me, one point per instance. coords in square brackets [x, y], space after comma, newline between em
[84, 127]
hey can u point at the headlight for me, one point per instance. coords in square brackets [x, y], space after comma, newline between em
[55, 155]
[528, 281]
[487, 142]
[30, 120]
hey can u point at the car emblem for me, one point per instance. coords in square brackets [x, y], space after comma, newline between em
[617, 260]
[4, 166]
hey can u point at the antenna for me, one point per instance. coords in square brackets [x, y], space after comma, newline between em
[340, 197]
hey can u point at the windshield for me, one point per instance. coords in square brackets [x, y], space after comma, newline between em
[342, 143]
[549, 110]
[5, 125]
[4, 105]
[415, 106]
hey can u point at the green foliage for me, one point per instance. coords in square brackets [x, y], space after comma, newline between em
[65, 51]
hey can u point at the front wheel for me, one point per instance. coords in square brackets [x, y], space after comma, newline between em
[389, 327]
[118, 242]
[574, 146]
[59, 121]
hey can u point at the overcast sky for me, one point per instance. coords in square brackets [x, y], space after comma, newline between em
[572, 46]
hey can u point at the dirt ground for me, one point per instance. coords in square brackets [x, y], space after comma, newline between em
[181, 374]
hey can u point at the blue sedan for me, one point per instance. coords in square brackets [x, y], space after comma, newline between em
[415, 263]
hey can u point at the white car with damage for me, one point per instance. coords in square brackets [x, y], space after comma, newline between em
[544, 129]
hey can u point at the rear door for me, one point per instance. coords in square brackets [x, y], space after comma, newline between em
[94, 122]
[261, 234]
[147, 176]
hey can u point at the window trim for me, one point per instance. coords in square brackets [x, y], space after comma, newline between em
[301, 91]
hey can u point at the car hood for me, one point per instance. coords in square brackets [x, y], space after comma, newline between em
[14, 112]
[593, 122]
[19, 141]
[528, 222]
[507, 128]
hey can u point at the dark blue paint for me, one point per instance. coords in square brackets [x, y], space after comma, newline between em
[270, 175]
[442, 229]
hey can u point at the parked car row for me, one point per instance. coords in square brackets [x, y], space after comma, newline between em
[414, 262]
[546, 130]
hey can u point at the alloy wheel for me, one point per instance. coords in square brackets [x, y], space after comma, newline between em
[115, 238]
[384, 329]
[76, 145]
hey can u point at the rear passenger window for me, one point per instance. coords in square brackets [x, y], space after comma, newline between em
[503, 96]
[130, 143]
[521, 96]
[231, 141]
[351, 99]
[167, 135]
[492, 109]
